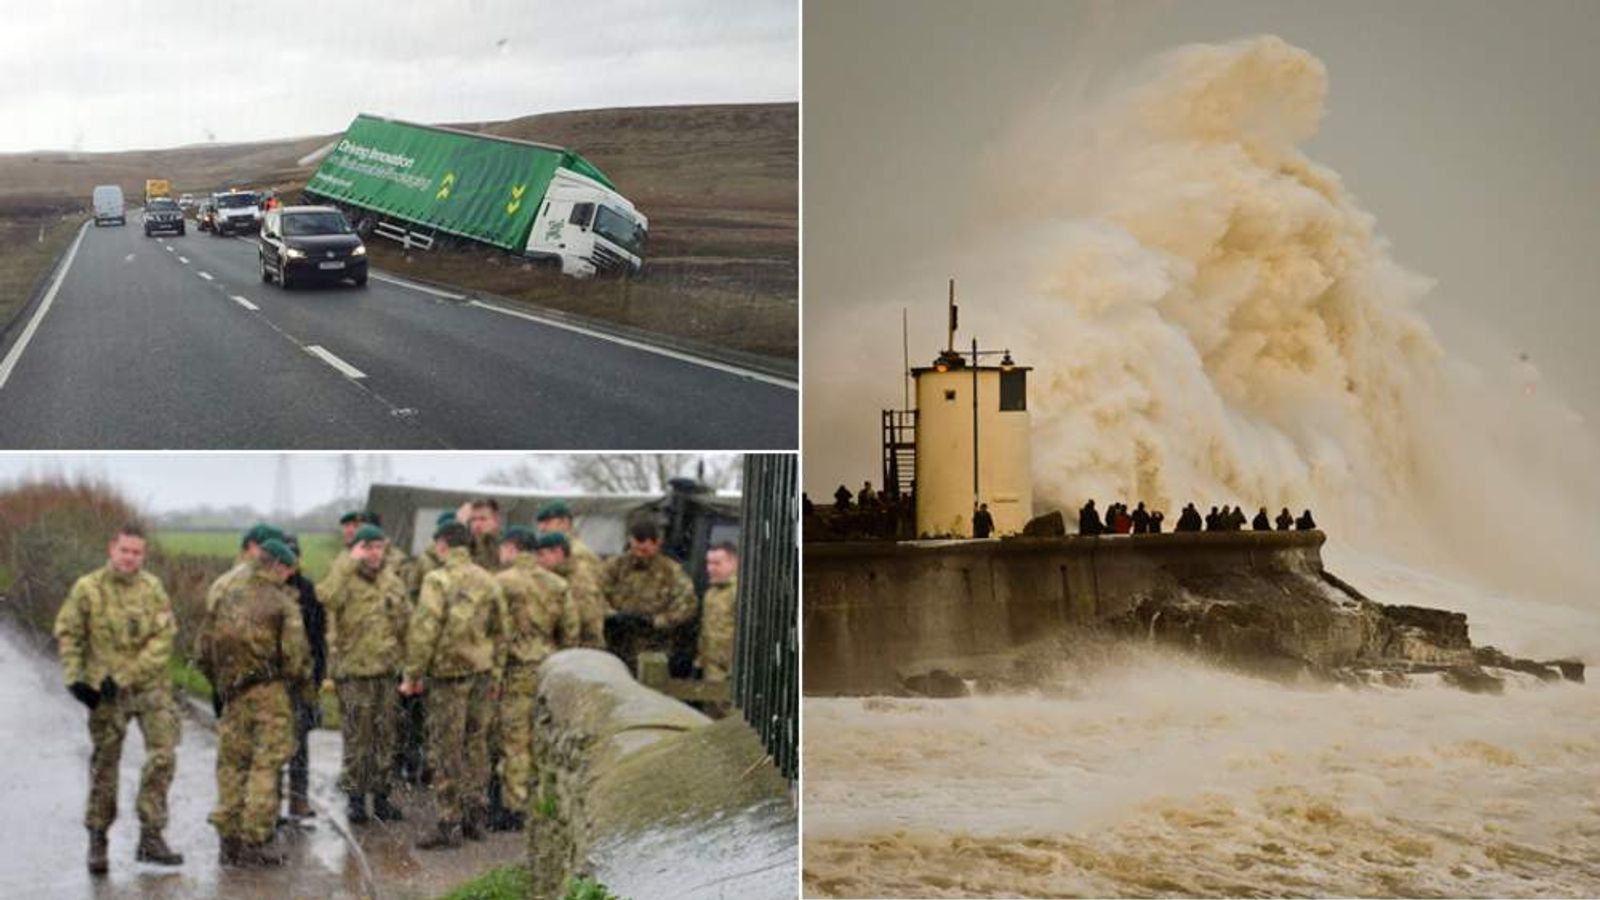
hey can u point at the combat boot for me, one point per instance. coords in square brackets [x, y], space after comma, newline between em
[384, 811]
[260, 855]
[98, 864]
[300, 807]
[357, 813]
[448, 837]
[230, 852]
[153, 849]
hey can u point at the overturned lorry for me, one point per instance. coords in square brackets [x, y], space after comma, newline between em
[415, 183]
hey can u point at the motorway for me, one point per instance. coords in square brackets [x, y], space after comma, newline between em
[174, 342]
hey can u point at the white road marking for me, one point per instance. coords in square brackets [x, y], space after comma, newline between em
[10, 362]
[420, 287]
[245, 303]
[128, 258]
[184, 260]
[641, 345]
[348, 370]
[206, 276]
[171, 249]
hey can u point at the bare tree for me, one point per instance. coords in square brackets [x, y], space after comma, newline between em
[625, 473]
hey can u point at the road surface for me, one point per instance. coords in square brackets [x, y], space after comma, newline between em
[174, 342]
[44, 740]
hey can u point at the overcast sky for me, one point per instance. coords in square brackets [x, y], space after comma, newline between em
[89, 75]
[1467, 127]
[164, 482]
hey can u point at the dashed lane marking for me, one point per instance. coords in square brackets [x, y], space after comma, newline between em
[328, 357]
[184, 260]
[244, 303]
[206, 276]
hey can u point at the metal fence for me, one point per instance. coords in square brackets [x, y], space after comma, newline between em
[766, 661]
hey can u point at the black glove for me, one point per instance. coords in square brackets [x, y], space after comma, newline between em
[108, 690]
[628, 620]
[86, 695]
[216, 704]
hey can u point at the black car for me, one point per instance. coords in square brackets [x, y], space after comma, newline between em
[162, 214]
[310, 243]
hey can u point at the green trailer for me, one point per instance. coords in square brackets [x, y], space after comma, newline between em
[539, 201]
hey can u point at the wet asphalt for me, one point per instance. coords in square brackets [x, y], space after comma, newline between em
[44, 739]
[174, 342]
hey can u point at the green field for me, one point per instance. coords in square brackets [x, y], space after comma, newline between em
[319, 549]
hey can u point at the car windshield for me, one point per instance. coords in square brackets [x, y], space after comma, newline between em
[620, 228]
[234, 201]
[309, 223]
[163, 203]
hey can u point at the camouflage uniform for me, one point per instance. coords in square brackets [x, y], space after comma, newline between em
[583, 583]
[412, 727]
[655, 587]
[369, 614]
[427, 562]
[454, 642]
[254, 650]
[121, 626]
[539, 613]
[716, 630]
[486, 551]
[396, 561]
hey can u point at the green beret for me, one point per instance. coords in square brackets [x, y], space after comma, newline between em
[445, 518]
[554, 539]
[279, 550]
[555, 509]
[366, 533]
[260, 534]
[351, 516]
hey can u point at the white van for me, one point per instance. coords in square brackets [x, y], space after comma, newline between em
[108, 205]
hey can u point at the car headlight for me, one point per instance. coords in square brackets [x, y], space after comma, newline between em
[292, 253]
[360, 250]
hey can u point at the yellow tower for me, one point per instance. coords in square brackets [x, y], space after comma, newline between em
[970, 437]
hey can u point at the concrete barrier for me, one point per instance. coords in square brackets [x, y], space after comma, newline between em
[649, 796]
[871, 610]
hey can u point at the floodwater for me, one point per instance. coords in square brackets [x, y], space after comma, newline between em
[1157, 775]
[44, 739]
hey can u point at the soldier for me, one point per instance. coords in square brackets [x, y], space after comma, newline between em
[1261, 522]
[115, 634]
[306, 714]
[539, 614]
[370, 614]
[718, 612]
[483, 516]
[253, 649]
[452, 655]
[649, 594]
[394, 558]
[580, 567]
[410, 759]
[249, 555]
[1285, 520]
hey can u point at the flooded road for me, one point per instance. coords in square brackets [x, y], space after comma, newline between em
[45, 742]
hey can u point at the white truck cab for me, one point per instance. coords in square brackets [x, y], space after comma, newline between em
[587, 227]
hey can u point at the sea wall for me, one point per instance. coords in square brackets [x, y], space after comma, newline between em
[874, 609]
[649, 796]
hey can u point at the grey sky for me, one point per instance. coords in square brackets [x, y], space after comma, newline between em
[1467, 127]
[164, 482]
[93, 76]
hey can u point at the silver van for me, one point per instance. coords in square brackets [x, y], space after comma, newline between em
[108, 205]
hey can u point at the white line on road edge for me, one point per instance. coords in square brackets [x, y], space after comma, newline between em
[184, 260]
[641, 345]
[244, 303]
[10, 362]
[206, 275]
[420, 287]
[327, 357]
